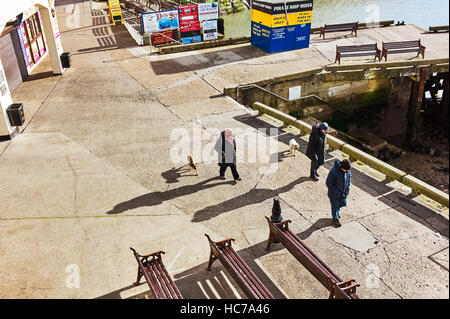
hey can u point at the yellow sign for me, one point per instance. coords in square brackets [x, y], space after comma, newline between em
[115, 12]
[279, 20]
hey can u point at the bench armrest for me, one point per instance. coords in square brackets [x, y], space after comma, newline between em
[159, 252]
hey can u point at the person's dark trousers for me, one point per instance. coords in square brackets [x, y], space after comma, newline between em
[314, 167]
[223, 168]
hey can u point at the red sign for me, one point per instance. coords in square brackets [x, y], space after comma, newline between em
[162, 37]
[190, 26]
[187, 13]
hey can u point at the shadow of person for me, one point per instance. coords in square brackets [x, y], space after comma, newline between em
[319, 224]
[253, 196]
[156, 198]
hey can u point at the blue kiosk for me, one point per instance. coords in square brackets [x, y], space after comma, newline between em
[281, 25]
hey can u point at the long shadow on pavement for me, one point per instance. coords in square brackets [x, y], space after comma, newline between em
[156, 198]
[252, 197]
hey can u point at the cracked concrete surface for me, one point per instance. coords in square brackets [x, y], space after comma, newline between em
[90, 176]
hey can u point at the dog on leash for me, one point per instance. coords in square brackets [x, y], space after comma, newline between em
[192, 164]
[293, 146]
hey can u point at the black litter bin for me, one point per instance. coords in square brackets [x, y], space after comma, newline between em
[220, 26]
[65, 60]
[15, 114]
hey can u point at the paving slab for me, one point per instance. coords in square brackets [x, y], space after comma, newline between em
[354, 236]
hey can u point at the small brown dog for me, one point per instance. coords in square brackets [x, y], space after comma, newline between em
[192, 164]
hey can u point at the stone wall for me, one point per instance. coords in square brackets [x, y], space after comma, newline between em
[232, 6]
[375, 100]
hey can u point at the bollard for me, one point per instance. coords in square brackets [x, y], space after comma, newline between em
[276, 213]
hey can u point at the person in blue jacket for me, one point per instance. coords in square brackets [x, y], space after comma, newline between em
[338, 183]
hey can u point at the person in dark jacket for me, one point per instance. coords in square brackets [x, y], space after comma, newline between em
[226, 150]
[338, 183]
[316, 148]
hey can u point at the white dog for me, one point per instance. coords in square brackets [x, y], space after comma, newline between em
[293, 146]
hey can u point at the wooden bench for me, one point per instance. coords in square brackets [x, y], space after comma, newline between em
[136, 7]
[357, 50]
[402, 47]
[148, 3]
[438, 28]
[338, 288]
[353, 26]
[156, 275]
[166, 6]
[237, 268]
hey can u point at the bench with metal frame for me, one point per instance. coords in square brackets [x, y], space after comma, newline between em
[166, 6]
[402, 47]
[438, 28]
[357, 50]
[152, 268]
[237, 268]
[137, 8]
[338, 288]
[353, 26]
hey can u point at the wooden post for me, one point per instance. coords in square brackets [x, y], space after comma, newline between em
[415, 104]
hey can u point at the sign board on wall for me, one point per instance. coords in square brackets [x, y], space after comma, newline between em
[54, 22]
[210, 30]
[162, 37]
[208, 11]
[3, 87]
[187, 12]
[295, 92]
[159, 21]
[189, 26]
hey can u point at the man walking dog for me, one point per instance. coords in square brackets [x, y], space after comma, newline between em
[316, 148]
[338, 183]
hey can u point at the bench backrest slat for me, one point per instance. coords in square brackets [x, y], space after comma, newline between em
[401, 45]
[151, 278]
[243, 273]
[261, 289]
[342, 25]
[161, 283]
[236, 273]
[172, 289]
[357, 48]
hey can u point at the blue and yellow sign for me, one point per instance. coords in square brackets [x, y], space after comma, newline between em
[277, 28]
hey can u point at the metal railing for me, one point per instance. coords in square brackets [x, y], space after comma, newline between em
[246, 86]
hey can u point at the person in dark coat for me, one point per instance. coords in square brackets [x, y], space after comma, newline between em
[338, 183]
[316, 148]
[226, 150]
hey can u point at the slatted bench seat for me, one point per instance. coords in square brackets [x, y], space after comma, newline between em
[338, 288]
[438, 28]
[166, 6]
[149, 3]
[357, 50]
[136, 7]
[152, 268]
[237, 268]
[353, 26]
[402, 47]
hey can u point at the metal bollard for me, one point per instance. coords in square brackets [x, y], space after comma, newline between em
[276, 213]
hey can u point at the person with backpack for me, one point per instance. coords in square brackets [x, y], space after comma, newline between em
[338, 183]
[316, 148]
[226, 149]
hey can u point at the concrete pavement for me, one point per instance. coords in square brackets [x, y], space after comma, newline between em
[91, 175]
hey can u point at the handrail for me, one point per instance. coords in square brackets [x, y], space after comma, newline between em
[385, 65]
[244, 86]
